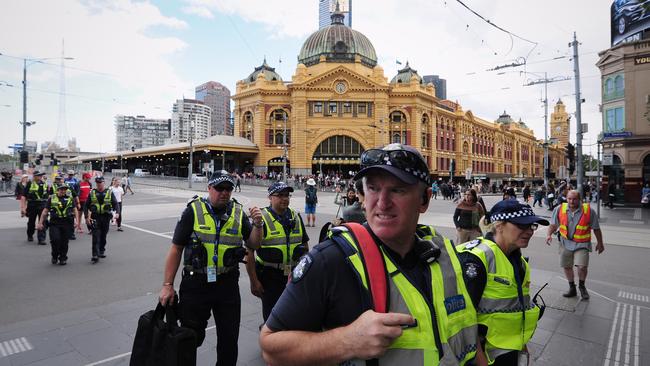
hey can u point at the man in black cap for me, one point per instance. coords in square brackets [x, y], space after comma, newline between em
[209, 237]
[336, 309]
[62, 210]
[101, 206]
[36, 194]
[284, 241]
[498, 280]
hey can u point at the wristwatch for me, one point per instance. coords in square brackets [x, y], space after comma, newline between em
[258, 225]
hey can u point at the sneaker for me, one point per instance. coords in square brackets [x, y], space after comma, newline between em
[30, 238]
[41, 242]
[583, 293]
[102, 255]
[73, 237]
[54, 260]
[119, 229]
[572, 292]
[62, 262]
[94, 260]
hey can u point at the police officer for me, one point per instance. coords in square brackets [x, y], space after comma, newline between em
[209, 234]
[498, 278]
[36, 194]
[284, 241]
[73, 183]
[326, 316]
[62, 211]
[101, 205]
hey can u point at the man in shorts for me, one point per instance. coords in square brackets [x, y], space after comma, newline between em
[575, 221]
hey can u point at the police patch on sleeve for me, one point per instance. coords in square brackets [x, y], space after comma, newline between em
[472, 244]
[471, 270]
[302, 268]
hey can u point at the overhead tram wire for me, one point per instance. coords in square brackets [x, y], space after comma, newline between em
[468, 28]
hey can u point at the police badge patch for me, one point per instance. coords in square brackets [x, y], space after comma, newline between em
[471, 270]
[301, 268]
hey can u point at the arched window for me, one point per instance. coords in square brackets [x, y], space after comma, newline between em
[619, 85]
[425, 131]
[247, 126]
[398, 127]
[609, 86]
[338, 146]
[278, 122]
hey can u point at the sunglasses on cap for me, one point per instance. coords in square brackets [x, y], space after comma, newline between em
[525, 227]
[223, 188]
[401, 159]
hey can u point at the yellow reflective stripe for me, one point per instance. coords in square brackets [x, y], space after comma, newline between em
[580, 227]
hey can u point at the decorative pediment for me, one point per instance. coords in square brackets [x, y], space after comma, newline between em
[609, 57]
[327, 80]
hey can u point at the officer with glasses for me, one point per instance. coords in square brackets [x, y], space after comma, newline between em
[329, 314]
[284, 241]
[209, 237]
[498, 279]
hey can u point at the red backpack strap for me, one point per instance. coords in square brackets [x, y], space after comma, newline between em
[375, 267]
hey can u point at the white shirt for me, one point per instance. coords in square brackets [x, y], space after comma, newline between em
[118, 192]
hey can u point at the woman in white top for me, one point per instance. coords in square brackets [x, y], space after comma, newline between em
[118, 192]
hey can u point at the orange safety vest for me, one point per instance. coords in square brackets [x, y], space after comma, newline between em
[582, 233]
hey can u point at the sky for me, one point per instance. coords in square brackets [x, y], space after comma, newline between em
[137, 57]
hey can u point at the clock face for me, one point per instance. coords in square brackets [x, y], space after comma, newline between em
[558, 128]
[340, 87]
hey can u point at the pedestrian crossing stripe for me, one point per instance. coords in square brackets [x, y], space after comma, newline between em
[13, 346]
[633, 296]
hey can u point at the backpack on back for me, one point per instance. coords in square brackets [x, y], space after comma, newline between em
[310, 195]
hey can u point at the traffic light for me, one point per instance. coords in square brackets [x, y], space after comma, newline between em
[571, 156]
[40, 156]
[51, 156]
[24, 156]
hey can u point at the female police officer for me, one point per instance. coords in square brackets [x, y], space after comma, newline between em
[498, 278]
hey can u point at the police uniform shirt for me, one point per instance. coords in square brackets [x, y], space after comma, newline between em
[573, 218]
[185, 226]
[32, 200]
[54, 218]
[275, 256]
[101, 196]
[324, 292]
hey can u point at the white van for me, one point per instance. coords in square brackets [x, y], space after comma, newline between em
[141, 173]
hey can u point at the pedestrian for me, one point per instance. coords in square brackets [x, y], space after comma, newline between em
[284, 242]
[33, 203]
[538, 196]
[355, 211]
[126, 183]
[611, 194]
[311, 199]
[328, 303]
[84, 192]
[118, 192]
[434, 190]
[72, 192]
[72, 182]
[526, 193]
[101, 207]
[509, 194]
[575, 221]
[507, 316]
[211, 231]
[237, 182]
[20, 191]
[62, 210]
[467, 217]
[550, 196]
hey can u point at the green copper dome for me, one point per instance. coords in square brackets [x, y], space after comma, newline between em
[338, 43]
[266, 70]
[404, 75]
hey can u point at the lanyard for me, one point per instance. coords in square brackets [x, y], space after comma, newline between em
[217, 221]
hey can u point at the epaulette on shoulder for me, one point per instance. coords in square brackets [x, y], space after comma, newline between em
[235, 200]
[191, 200]
[473, 244]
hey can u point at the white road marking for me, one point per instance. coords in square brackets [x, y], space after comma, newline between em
[620, 337]
[633, 296]
[637, 214]
[634, 222]
[611, 335]
[636, 336]
[2, 350]
[629, 335]
[26, 342]
[147, 231]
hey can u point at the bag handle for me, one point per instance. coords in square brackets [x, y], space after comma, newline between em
[375, 266]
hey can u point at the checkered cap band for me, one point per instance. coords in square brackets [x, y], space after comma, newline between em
[505, 216]
[417, 173]
[220, 179]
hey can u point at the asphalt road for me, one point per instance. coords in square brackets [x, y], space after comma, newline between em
[37, 294]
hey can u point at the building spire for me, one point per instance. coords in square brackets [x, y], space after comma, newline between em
[337, 16]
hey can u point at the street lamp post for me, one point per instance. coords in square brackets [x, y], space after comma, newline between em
[189, 168]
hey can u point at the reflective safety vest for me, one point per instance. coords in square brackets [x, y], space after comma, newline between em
[59, 209]
[582, 233]
[277, 239]
[55, 187]
[101, 208]
[228, 237]
[449, 316]
[510, 322]
[37, 192]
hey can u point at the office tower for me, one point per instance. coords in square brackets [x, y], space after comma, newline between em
[327, 7]
[190, 115]
[137, 132]
[217, 97]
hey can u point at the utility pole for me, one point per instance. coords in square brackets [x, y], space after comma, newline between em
[24, 103]
[189, 168]
[576, 71]
[546, 81]
[597, 187]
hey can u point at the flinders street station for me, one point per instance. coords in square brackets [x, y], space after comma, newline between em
[339, 102]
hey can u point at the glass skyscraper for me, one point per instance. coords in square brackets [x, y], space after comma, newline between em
[327, 7]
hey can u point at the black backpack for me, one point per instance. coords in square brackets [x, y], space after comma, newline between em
[310, 195]
[160, 341]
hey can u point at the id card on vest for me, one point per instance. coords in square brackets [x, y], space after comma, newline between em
[212, 274]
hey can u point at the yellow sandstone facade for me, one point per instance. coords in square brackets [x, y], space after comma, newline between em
[339, 103]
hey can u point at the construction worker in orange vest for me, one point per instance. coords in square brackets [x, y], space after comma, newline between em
[575, 221]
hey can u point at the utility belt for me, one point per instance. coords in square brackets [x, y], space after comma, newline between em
[189, 270]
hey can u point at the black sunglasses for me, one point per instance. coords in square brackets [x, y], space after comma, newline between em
[401, 159]
[223, 188]
[526, 226]
[281, 195]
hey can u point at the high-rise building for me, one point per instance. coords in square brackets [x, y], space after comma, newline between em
[327, 7]
[190, 115]
[139, 132]
[438, 83]
[217, 97]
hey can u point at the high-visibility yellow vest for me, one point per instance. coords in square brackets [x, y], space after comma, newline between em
[455, 316]
[101, 208]
[60, 210]
[582, 233]
[227, 238]
[37, 192]
[277, 239]
[510, 322]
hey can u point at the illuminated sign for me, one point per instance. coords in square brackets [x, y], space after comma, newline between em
[629, 20]
[642, 59]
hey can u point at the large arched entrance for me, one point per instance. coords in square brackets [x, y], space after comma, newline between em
[337, 156]
[646, 170]
[616, 177]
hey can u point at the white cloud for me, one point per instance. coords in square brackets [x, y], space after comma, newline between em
[131, 68]
[200, 11]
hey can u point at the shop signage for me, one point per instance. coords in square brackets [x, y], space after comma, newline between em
[617, 134]
[643, 59]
